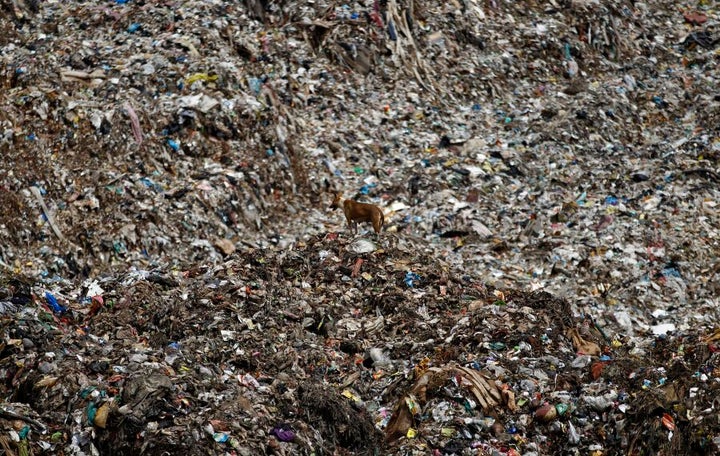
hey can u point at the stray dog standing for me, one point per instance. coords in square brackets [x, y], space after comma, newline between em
[359, 212]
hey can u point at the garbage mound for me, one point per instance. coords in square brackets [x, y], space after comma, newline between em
[323, 350]
[172, 279]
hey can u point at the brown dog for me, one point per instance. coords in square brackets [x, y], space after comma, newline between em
[359, 212]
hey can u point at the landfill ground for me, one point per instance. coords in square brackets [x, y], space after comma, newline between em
[173, 280]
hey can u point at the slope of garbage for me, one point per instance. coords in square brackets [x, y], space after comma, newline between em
[173, 280]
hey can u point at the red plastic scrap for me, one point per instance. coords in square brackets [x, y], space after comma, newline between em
[596, 369]
[668, 421]
[375, 15]
[356, 269]
[96, 305]
[695, 18]
[376, 19]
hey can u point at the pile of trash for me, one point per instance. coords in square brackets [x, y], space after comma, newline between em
[173, 280]
[338, 346]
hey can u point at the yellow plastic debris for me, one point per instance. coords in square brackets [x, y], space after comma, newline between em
[200, 77]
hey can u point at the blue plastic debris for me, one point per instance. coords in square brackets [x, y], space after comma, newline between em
[221, 437]
[659, 102]
[411, 278]
[174, 145]
[582, 199]
[54, 305]
[671, 272]
[255, 85]
[365, 189]
[391, 31]
[150, 184]
[91, 412]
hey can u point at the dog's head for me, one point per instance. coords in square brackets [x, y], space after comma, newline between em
[336, 202]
